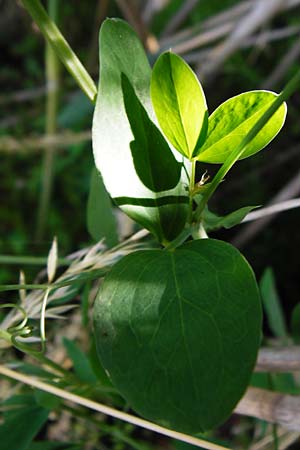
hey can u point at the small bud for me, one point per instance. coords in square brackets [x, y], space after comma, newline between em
[52, 261]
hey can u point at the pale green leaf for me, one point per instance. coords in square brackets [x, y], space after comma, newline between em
[164, 213]
[178, 332]
[101, 221]
[179, 104]
[231, 121]
[212, 221]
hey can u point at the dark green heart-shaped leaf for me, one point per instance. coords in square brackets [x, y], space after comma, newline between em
[163, 213]
[212, 221]
[178, 332]
[232, 120]
[153, 160]
[179, 104]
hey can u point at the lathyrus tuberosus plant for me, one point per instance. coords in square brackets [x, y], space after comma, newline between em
[178, 327]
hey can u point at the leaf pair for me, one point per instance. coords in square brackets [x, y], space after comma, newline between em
[139, 169]
[181, 110]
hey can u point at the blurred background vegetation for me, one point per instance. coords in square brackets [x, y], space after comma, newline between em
[45, 121]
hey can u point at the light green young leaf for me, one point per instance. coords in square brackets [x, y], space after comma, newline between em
[121, 51]
[179, 104]
[230, 122]
[272, 305]
[178, 332]
[153, 160]
[212, 221]
[101, 221]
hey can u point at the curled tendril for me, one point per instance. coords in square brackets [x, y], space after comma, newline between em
[24, 321]
[22, 330]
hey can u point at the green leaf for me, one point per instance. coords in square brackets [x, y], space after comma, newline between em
[153, 160]
[295, 324]
[81, 364]
[164, 213]
[179, 104]
[232, 120]
[272, 305]
[47, 400]
[97, 366]
[22, 423]
[101, 221]
[179, 331]
[212, 221]
[281, 382]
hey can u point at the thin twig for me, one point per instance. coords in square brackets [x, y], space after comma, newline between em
[274, 407]
[231, 16]
[253, 41]
[220, 19]
[282, 359]
[179, 17]
[150, 8]
[261, 13]
[99, 407]
[133, 16]
[274, 209]
[23, 96]
[203, 38]
[283, 66]
[9, 144]
[289, 191]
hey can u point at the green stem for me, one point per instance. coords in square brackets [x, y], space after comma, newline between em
[17, 287]
[274, 426]
[236, 154]
[52, 76]
[181, 238]
[31, 260]
[61, 47]
[72, 281]
[191, 190]
[5, 335]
